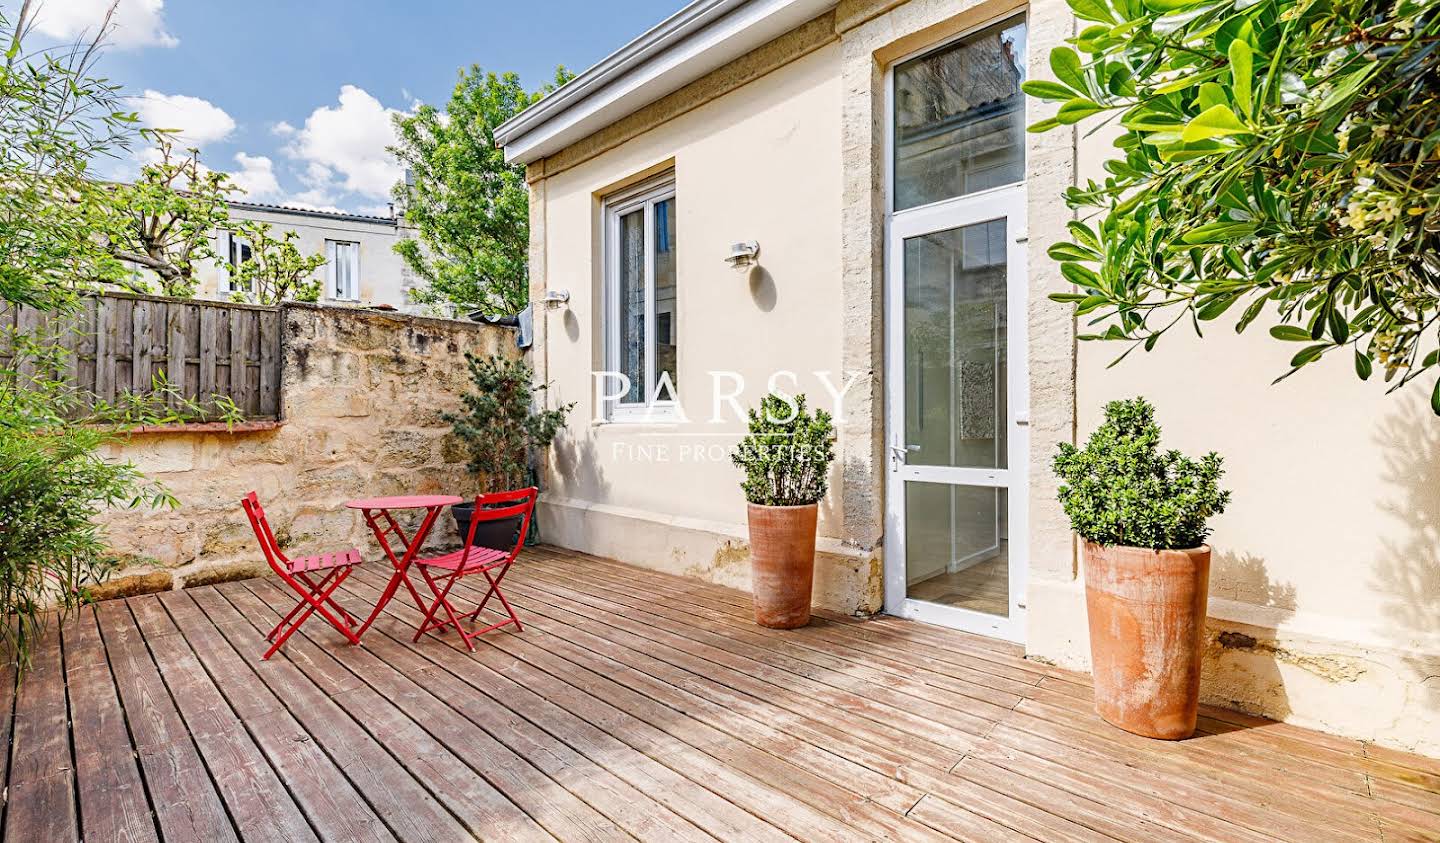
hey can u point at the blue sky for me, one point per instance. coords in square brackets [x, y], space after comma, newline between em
[294, 96]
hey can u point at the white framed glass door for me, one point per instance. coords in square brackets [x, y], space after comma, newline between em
[957, 424]
[957, 383]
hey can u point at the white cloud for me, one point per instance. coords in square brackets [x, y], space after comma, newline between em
[198, 121]
[137, 23]
[343, 146]
[282, 129]
[256, 176]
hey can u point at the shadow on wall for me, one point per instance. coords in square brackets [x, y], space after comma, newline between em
[762, 288]
[1242, 670]
[575, 469]
[1407, 572]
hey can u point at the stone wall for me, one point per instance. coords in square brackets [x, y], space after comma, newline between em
[361, 396]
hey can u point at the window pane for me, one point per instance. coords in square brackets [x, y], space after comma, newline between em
[960, 117]
[347, 260]
[665, 316]
[955, 347]
[631, 294]
[957, 546]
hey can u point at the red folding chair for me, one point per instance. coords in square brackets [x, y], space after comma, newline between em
[442, 572]
[300, 575]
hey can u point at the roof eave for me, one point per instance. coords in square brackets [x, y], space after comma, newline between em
[694, 41]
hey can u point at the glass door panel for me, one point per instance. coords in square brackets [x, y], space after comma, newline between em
[956, 371]
[958, 443]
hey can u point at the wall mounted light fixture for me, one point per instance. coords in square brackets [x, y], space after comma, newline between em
[743, 254]
[555, 298]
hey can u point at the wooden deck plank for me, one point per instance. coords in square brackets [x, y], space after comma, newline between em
[634, 704]
[1300, 761]
[192, 808]
[572, 718]
[41, 793]
[788, 648]
[321, 772]
[524, 578]
[1224, 762]
[479, 807]
[259, 803]
[1037, 813]
[550, 804]
[7, 710]
[113, 801]
[823, 636]
[736, 679]
[872, 702]
[640, 814]
[625, 719]
[601, 676]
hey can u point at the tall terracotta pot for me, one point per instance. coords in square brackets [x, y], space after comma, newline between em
[1147, 634]
[782, 563]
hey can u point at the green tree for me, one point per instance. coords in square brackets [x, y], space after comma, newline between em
[55, 117]
[1280, 155]
[470, 209]
[277, 270]
[165, 221]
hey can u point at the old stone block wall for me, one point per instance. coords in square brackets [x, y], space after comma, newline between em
[361, 396]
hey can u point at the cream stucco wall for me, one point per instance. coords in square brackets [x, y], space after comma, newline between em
[761, 162]
[1327, 570]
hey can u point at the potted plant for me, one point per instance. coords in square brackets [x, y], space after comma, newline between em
[1143, 515]
[500, 428]
[786, 458]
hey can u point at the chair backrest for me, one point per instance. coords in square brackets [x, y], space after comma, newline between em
[277, 559]
[491, 508]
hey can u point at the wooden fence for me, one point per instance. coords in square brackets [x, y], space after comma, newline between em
[120, 343]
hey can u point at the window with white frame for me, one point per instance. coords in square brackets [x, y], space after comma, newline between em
[342, 270]
[234, 251]
[641, 322]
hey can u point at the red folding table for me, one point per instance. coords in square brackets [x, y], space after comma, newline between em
[377, 512]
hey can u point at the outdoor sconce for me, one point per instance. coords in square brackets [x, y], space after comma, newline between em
[743, 254]
[555, 298]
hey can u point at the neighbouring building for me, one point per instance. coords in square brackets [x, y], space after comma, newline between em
[876, 152]
[361, 266]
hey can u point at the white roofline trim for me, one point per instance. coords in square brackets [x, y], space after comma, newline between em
[694, 41]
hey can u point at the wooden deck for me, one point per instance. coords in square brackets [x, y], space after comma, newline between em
[639, 705]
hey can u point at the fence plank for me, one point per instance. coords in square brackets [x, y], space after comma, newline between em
[239, 348]
[209, 324]
[140, 361]
[119, 343]
[177, 342]
[269, 365]
[192, 352]
[85, 335]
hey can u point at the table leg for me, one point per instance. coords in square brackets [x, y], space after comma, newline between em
[412, 547]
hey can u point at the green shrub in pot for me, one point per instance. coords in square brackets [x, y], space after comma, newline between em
[786, 458]
[500, 427]
[1144, 514]
[1122, 489]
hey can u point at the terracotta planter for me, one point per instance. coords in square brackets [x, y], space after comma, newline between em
[1147, 633]
[782, 563]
